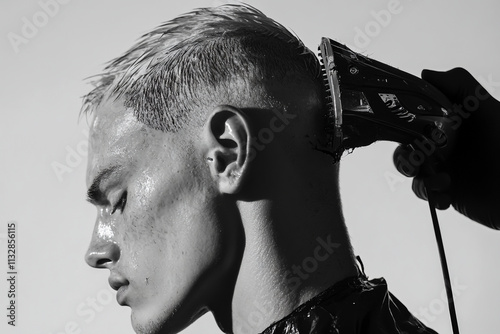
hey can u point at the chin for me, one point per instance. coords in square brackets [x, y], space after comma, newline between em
[150, 322]
[149, 325]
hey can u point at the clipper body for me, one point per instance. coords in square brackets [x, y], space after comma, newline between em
[370, 101]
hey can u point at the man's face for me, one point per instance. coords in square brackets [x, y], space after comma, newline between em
[158, 228]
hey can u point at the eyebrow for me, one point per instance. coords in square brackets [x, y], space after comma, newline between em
[94, 194]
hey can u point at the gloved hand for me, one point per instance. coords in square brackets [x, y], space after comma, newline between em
[469, 179]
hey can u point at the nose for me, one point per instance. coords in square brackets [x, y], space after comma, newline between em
[102, 253]
[102, 256]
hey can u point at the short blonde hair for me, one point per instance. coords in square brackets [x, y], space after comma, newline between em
[179, 65]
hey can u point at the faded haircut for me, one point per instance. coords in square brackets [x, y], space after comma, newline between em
[197, 60]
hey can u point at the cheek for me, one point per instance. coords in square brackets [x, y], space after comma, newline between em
[171, 231]
[187, 226]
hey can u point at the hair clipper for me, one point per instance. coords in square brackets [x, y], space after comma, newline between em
[370, 101]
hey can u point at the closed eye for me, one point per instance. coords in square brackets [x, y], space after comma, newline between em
[120, 205]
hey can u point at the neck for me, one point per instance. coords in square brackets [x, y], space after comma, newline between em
[296, 247]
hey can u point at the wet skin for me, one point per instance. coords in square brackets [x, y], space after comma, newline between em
[161, 229]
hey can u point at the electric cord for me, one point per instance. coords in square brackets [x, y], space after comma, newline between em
[444, 263]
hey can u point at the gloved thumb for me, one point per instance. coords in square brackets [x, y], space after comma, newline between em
[457, 84]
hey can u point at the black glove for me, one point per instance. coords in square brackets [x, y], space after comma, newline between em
[469, 179]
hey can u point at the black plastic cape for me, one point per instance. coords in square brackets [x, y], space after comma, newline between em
[353, 306]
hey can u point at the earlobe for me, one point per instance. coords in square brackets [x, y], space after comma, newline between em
[227, 136]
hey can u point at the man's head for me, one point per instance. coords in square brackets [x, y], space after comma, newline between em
[210, 109]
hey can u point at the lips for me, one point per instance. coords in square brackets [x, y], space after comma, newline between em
[121, 294]
[120, 284]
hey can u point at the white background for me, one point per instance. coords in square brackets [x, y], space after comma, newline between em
[41, 86]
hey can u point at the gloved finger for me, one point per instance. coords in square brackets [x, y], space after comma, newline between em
[439, 182]
[440, 198]
[442, 201]
[403, 162]
[418, 187]
[457, 84]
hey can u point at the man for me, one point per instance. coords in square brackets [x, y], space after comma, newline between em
[211, 192]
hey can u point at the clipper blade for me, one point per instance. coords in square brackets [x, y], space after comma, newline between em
[332, 97]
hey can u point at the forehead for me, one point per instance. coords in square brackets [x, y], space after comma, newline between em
[117, 138]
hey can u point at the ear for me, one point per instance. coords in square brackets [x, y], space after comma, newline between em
[227, 139]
